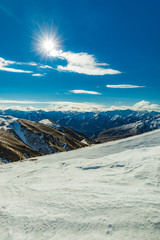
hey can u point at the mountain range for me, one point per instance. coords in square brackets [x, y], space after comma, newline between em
[93, 123]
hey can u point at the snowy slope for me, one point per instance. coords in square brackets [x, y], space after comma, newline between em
[107, 191]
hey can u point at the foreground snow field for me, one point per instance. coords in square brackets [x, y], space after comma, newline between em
[107, 191]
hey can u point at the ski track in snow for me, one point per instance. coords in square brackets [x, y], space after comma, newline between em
[107, 191]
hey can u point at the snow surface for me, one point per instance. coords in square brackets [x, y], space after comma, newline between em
[6, 122]
[107, 191]
[84, 141]
[50, 123]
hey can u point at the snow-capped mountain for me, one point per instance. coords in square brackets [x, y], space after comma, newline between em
[128, 130]
[89, 123]
[21, 138]
[106, 191]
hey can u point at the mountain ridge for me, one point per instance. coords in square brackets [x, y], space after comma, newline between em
[89, 123]
[128, 130]
[22, 139]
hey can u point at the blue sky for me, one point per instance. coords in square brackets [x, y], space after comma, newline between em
[104, 52]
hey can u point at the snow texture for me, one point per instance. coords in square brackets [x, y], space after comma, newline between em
[84, 141]
[6, 122]
[50, 123]
[106, 191]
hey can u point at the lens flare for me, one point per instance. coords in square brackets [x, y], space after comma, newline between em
[46, 41]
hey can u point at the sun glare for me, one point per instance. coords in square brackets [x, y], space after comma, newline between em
[47, 42]
[49, 45]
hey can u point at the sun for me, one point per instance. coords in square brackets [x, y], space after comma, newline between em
[49, 45]
[46, 41]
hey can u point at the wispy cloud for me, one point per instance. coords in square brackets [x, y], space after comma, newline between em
[124, 86]
[38, 75]
[85, 92]
[32, 64]
[74, 106]
[17, 102]
[4, 66]
[11, 66]
[82, 63]
[45, 67]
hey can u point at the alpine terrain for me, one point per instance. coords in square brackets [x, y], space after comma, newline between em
[95, 124]
[20, 139]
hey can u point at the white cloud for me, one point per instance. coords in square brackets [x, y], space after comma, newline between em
[140, 106]
[124, 86]
[75, 106]
[17, 102]
[85, 92]
[38, 75]
[145, 105]
[82, 63]
[88, 70]
[5, 63]
[23, 63]
[5, 66]
[51, 106]
[33, 64]
[45, 66]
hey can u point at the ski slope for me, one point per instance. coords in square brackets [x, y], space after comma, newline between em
[107, 191]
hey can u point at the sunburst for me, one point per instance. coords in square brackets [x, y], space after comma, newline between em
[47, 42]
